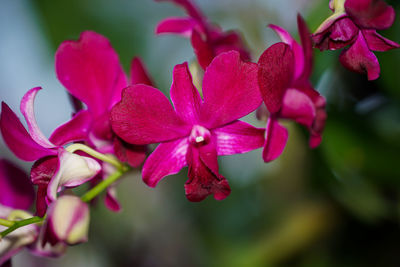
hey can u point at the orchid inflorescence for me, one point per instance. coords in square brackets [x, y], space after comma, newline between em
[123, 115]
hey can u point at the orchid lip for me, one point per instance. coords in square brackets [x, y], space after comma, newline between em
[199, 136]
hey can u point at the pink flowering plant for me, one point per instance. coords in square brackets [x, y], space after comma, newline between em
[196, 130]
[354, 24]
[118, 118]
[283, 75]
[208, 40]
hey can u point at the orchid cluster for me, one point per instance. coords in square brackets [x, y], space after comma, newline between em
[354, 24]
[117, 116]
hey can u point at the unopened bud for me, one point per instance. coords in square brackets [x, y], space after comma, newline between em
[68, 220]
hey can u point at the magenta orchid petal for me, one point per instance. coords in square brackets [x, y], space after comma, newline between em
[119, 85]
[276, 68]
[44, 169]
[16, 190]
[231, 40]
[377, 42]
[188, 6]
[73, 170]
[145, 116]
[27, 110]
[184, 95]
[41, 200]
[101, 127]
[227, 82]
[167, 159]
[139, 73]
[375, 14]
[298, 52]
[68, 220]
[207, 40]
[181, 26]
[18, 139]
[306, 42]
[41, 173]
[101, 145]
[315, 140]
[360, 59]
[299, 107]
[75, 129]
[319, 122]
[204, 178]
[275, 140]
[207, 153]
[111, 200]
[90, 70]
[134, 155]
[202, 49]
[237, 137]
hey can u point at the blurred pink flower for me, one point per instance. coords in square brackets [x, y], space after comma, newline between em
[354, 24]
[208, 40]
[55, 167]
[283, 75]
[90, 71]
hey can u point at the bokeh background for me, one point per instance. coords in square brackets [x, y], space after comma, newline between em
[337, 205]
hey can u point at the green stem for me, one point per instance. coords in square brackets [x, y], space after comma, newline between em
[21, 223]
[6, 223]
[106, 158]
[100, 187]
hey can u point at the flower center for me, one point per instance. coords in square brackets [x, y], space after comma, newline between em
[199, 136]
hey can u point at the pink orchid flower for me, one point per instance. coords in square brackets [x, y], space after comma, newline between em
[354, 23]
[197, 130]
[90, 71]
[207, 40]
[55, 167]
[17, 193]
[283, 75]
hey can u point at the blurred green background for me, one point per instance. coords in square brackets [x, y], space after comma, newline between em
[337, 205]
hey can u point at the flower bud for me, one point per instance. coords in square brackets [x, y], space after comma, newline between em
[68, 221]
[73, 170]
